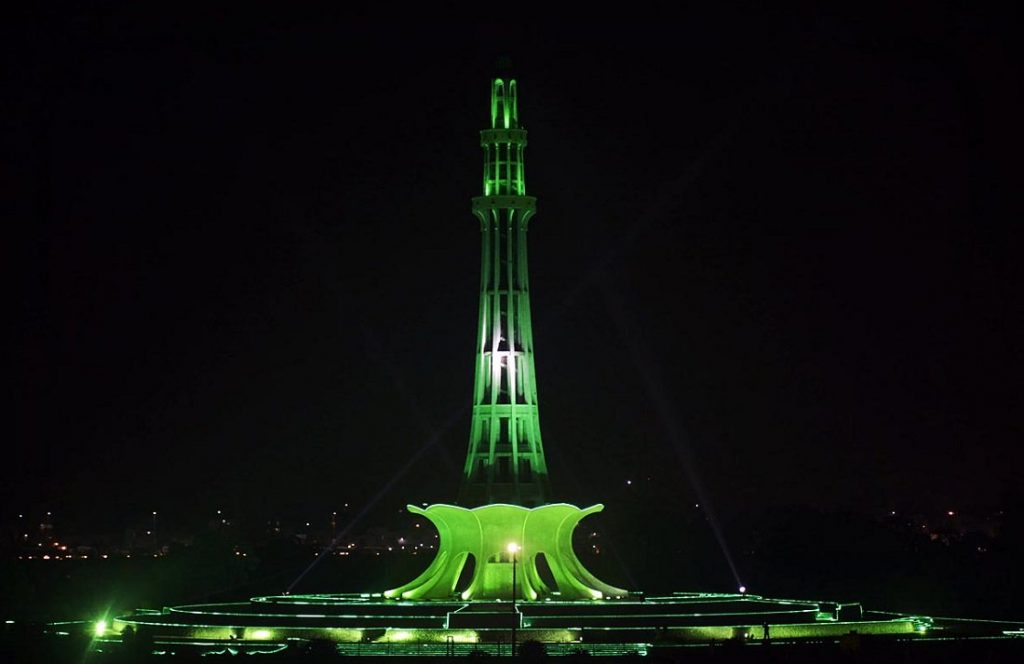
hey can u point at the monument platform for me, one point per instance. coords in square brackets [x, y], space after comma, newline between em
[374, 625]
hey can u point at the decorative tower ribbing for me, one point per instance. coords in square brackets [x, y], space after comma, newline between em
[505, 462]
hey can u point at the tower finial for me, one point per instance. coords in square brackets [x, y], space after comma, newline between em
[504, 111]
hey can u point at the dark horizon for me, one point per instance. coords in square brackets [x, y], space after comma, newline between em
[773, 247]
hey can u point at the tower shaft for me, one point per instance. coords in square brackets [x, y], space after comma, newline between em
[505, 460]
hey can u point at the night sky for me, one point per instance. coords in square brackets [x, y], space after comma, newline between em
[773, 252]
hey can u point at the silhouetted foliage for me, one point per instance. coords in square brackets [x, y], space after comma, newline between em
[532, 651]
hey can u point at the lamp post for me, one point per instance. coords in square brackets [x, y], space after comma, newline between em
[513, 548]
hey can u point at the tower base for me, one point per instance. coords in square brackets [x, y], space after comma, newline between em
[486, 533]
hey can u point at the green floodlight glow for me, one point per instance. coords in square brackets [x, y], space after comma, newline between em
[261, 634]
[922, 623]
[100, 628]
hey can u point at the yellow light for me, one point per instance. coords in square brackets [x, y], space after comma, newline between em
[101, 627]
[261, 634]
[513, 548]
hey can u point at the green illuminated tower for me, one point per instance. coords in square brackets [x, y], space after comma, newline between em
[505, 462]
[504, 521]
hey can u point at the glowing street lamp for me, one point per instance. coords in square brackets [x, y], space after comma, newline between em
[513, 549]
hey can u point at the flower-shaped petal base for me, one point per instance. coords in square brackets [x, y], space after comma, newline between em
[486, 533]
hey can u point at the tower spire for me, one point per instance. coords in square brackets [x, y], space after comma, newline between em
[505, 461]
[504, 114]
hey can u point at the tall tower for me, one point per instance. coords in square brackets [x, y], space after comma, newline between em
[505, 462]
[505, 519]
